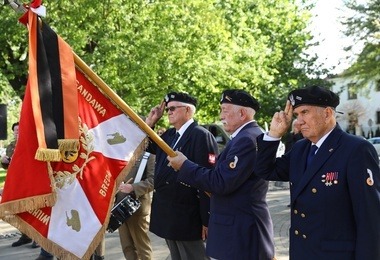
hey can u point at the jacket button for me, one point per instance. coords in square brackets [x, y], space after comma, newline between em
[314, 190]
[303, 215]
[296, 232]
[304, 236]
[295, 211]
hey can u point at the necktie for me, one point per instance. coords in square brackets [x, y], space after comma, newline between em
[175, 139]
[311, 155]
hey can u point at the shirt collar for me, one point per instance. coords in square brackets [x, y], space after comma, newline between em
[238, 130]
[183, 128]
[320, 141]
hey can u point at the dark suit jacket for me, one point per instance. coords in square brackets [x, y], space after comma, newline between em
[335, 202]
[240, 225]
[179, 210]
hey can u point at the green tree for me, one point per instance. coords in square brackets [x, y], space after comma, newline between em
[143, 49]
[364, 28]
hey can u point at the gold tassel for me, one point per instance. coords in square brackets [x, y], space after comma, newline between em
[48, 155]
[68, 144]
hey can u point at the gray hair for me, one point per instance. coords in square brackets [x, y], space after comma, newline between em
[191, 106]
[250, 111]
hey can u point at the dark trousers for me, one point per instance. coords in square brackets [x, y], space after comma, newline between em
[187, 250]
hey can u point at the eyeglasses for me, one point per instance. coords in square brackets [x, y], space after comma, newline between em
[172, 108]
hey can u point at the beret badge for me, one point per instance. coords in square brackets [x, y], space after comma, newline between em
[292, 101]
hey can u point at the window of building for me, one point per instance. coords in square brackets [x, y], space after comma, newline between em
[377, 117]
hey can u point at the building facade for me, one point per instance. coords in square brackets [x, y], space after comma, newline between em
[361, 109]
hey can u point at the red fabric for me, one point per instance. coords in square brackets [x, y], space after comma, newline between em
[26, 177]
[35, 3]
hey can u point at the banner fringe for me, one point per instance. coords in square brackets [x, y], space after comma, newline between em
[48, 155]
[68, 144]
[27, 204]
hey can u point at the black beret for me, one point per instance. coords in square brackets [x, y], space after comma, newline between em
[314, 96]
[180, 97]
[239, 97]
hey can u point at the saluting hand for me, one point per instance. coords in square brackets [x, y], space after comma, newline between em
[281, 121]
[155, 114]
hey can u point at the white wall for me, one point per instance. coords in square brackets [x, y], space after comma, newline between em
[366, 105]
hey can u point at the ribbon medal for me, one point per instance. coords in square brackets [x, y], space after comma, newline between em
[330, 178]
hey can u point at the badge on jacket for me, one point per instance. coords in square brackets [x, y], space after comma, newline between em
[370, 180]
[211, 158]
[234, 163]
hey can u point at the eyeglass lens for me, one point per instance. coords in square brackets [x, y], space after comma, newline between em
[172, 108]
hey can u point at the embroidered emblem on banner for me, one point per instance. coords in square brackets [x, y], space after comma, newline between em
[86, 139]
[117, 138]
[74, 221]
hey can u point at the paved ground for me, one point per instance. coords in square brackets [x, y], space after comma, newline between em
[278, 199]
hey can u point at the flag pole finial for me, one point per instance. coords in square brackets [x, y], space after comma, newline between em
[17, 6]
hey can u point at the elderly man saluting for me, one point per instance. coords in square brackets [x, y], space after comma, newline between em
[180, 211]
[334, 180]
[240, 225]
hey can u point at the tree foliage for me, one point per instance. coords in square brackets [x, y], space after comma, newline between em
[144, 49]
[364, 27]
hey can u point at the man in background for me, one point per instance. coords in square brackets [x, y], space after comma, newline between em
[5, 160]
[134, 233]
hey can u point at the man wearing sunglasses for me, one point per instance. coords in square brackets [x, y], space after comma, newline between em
[180, 212]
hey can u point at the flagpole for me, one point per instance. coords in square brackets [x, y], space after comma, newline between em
[123, 106]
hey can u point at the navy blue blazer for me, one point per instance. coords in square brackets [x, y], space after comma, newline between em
[240, 225]
[335, 202]
[179, 211]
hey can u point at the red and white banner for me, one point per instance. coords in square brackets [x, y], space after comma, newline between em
[85, 180]
[65, 205]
